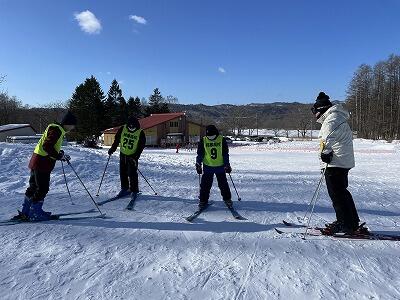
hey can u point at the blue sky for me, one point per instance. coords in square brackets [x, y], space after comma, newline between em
[209, 52]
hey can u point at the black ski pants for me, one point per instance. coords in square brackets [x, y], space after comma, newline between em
[343, 203]
[206, 183]
[128, 173]
[39, 183]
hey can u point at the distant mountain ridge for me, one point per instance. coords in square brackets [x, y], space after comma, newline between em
[266, 115]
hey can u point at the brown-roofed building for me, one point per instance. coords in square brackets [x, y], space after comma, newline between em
[164, 130]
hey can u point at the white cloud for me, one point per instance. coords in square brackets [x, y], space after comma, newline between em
[138, 19]
[221, 70]
[88, 22]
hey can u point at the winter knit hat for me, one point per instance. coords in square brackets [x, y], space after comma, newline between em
[68, 119]
[322, 104]
[133, 123]
[211, 130]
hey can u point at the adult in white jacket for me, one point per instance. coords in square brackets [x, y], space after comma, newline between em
[337, 155]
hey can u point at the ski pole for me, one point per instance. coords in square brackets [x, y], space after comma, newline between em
[315, 192]
[102, 177]
[199, 185]
[69, 163]
[315, 201]
[155, 193]
[66, 183]
[239, 199]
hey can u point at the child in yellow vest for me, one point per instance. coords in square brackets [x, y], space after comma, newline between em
[131, 141]
[44, 157]
[213, 152]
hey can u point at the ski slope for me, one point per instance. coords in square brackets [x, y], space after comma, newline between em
[153, 253]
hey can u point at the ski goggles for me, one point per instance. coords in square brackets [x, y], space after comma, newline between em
[316, 110]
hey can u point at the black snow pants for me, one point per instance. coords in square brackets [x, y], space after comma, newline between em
[206, 183]
[343, 203]
[39, 183]
[128, 173]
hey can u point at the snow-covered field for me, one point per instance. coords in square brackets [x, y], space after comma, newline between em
[153, 253]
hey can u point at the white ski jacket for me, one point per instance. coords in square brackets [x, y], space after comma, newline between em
[335, 135]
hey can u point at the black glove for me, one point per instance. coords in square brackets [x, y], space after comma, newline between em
[326, 157]
[199, 169]
[228, 169]
[62, 156]
[111, 151]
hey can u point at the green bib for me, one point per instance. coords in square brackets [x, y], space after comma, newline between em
[129, 141]
[39, 147]
[213, 152]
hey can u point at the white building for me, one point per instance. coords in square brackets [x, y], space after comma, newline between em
[16, 130]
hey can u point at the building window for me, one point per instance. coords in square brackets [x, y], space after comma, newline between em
[173, 124]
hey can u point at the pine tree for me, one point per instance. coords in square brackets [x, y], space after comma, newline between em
[157, 104]
[134, 107]
[115, 106]
[87, 104]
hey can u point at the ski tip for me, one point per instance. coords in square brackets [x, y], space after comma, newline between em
[278, 231]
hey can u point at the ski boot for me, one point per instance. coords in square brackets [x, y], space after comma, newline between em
[123, 193]
[24, 214]
[362, 230]
[36, 212]
[229, 203]
[203, 205]
[331, 225]
[333, 228]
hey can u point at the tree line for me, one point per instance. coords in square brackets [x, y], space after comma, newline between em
[95, 111]
[373, 97]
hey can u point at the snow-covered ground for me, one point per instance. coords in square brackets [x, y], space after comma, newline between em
[153, 253]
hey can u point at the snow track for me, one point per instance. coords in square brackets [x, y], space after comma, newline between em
[153, 253]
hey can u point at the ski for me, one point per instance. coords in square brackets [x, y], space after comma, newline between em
[311, 232]
[59, 217]
[197, 213]
[289, 224]
[235, 214]
[76, 213]
[368, 236]
[110, 200]
[132, 203]
[316, 231]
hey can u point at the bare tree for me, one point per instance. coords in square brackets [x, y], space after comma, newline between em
[276, 131]
[8, 108]
[373, 98]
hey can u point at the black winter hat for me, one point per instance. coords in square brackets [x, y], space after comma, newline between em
[211, 130]
[69, 119]
[322, 104]
[133, 122]
[322, 100]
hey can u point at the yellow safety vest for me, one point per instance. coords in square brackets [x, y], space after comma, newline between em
[213, 152]
[39, 147]
[129, 141]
